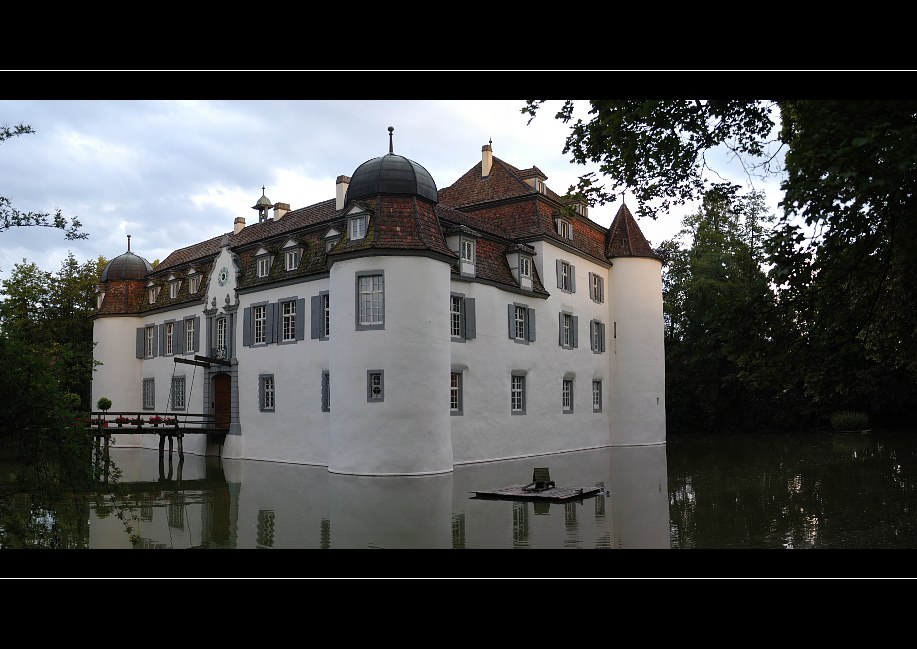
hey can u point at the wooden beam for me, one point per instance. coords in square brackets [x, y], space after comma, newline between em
[215, 361]
[188, 362]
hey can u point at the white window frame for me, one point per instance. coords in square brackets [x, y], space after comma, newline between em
[170, 334]
[221, 335]
[566, 398]
[564, 229]
[291, 259]
[455, 315]
[174, 288]
[189, 336]
[468, 251]
[370, 296]
[264, 265]
[266, 393]
[259, 324]
[149, 337]
[565, 270]
[455, 393]
[194, 284]
[525, 267]
[152, 294]
[597, 288]
[517, 394]
[325, 299]
[566, 332]
[288, 315]
[356, 227]
[597, 395]
[520, 314]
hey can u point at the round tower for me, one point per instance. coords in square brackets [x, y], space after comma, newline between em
[120, 292]
[637, 335]
[390, 355]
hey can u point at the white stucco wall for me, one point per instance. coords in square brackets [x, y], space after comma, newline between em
[118, 377]
[409, 432]
[638, 389]
[487, 429]
[297, 430]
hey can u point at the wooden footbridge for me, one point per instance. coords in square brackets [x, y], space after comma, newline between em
[168, 425]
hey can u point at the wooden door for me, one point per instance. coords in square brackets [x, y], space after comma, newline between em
[222, 400]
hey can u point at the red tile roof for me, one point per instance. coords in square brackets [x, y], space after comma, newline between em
[625, 238]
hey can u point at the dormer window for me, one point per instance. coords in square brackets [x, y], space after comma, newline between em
[357, 227]
[331, 238]
[467, 248]
[525, 267]
[263, 261]
[539, 185]
[174, 287]
[564, 228]
[194, 283]
[580, 209]
[152, 293]
[99, 298]
[291, 259]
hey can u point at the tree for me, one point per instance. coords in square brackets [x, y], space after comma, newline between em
[838, 255]
[10, 217]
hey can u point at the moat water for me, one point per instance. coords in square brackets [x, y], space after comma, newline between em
[831, 491]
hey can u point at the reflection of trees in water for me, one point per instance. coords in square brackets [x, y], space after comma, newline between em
[780, 491]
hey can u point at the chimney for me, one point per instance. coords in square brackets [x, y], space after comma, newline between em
[343, 183]
[280, 209]
[238, 224]
[487, 159]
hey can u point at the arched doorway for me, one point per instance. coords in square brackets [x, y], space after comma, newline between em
[222, 399]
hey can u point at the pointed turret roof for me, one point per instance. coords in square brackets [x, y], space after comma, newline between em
[625, 238]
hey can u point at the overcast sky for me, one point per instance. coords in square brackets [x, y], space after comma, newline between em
[172, 173]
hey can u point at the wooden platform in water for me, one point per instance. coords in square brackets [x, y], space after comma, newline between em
[556, 494]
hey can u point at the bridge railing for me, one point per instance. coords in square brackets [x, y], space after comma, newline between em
[147, 420]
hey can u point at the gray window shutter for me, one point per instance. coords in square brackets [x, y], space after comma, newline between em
[575, 330]
[260, 393]
[197, 334]
[558, 263]
[247, 327]
[560, 328]
[591, 287]
[510, 313]
[140, 350]
[470, 330]
[572, 278]
[592, 325]
[316, 301]
[300, 318]
[601, 336]
[270, 335]
[157, 332]
[530, 320]
[178, 346]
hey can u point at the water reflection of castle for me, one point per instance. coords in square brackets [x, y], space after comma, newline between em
[206, 502]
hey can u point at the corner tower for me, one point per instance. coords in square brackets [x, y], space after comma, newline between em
[637, 336]
[390, 346]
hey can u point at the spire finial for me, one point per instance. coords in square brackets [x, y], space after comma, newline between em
[128, 243]
[262, 190]
[390, 129]
[490, 141]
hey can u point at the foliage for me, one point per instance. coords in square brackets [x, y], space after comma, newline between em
[10, 217]
[839, 255]
[847, 420]
[104, 403]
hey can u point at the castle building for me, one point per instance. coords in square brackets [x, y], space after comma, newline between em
[397, 328]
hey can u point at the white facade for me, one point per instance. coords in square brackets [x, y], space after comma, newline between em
[403, 394]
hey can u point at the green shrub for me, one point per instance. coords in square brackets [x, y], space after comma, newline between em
[104, 403]
[849, 420]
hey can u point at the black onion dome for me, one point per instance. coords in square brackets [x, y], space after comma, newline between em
[126, 266]
[391, 174]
